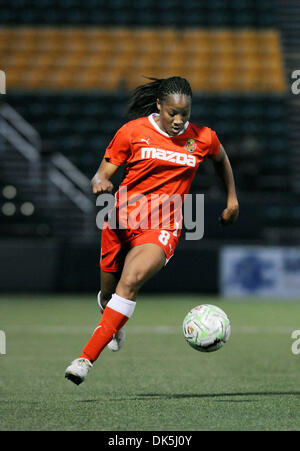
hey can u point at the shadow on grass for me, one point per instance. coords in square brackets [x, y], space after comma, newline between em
[212, 395]
[216, 396]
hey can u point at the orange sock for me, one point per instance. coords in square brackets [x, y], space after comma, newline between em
[116, 314]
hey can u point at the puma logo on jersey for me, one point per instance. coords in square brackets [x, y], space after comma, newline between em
[169, 155]
[146, 140]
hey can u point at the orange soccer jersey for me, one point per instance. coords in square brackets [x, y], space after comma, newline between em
[157, 167]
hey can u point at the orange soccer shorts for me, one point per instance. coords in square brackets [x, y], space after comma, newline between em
[115, 243]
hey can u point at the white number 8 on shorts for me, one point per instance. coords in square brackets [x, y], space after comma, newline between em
[164, 237]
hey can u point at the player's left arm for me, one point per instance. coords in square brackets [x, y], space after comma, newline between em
[223, 169]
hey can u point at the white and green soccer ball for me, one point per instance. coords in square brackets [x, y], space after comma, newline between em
[206, 328]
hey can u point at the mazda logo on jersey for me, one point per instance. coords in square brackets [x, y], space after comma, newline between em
[168, 155]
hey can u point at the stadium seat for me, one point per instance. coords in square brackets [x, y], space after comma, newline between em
[88, 54]
[109, 58]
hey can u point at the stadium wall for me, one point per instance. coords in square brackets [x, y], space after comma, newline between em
[230, 271]
[35, 266]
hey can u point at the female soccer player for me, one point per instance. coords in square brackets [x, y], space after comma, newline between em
[161, 150]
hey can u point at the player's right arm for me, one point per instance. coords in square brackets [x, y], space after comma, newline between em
[115, 155]
[101, 183]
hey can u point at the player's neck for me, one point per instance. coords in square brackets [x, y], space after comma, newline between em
[155, 118]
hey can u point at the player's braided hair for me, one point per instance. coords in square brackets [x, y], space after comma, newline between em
[142, 101]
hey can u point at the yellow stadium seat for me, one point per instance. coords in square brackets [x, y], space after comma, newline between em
[110, 81]
[16, 60]
[214, 60]
[13, 78]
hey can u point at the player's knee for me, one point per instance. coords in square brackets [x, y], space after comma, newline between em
[133, 281]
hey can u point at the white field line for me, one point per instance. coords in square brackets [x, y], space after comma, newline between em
[143, 330]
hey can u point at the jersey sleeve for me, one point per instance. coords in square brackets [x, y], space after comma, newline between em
[214, 146]
[118, 149]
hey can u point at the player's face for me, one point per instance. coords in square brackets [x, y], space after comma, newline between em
[174, 112]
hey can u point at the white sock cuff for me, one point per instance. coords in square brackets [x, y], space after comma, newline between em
[99, 301]
[122, 305]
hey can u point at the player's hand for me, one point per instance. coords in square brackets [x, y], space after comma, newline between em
[230, 214]
[101, 186]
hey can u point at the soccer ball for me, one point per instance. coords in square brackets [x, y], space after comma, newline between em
[206, 328]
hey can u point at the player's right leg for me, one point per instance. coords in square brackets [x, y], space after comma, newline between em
[141, 263]
[113, 319]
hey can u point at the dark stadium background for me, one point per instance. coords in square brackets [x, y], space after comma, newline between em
[69, 67]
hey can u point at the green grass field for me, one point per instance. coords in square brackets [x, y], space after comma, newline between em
[156, 382]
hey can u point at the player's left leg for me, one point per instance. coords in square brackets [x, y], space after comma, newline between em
[109, 281]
